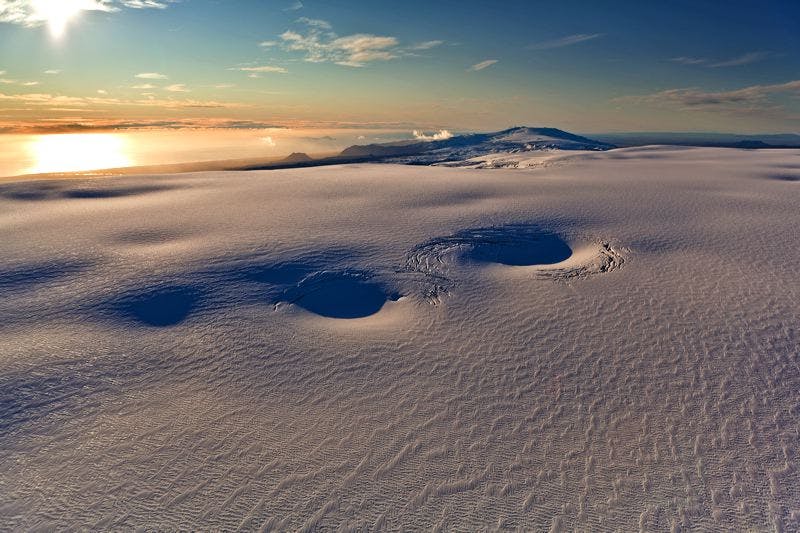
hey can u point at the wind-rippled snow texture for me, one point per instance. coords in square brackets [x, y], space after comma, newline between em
[259, 351]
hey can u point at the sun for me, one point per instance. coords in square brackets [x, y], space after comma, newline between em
[78, 152]
[58, 13]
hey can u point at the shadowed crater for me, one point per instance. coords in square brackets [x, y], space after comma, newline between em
[520, 249]
[513, 245]
[438, 260]
[342, 295]
[162, 307]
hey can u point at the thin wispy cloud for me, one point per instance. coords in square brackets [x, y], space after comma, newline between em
[30, 14]
[177, 88]
[294, 6]
[147, 4]
[684, 60]
[747, 100]
[144, 87]
[315, 23]
[427, 45]
[72, 124]
[262, 69]
[52, 72]
[151, 76]
[482, 65]
[320, 44]
[21, 83]
[744, 59]
[51, 100]
[568, 40]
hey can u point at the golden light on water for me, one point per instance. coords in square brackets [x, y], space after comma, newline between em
[78, 152]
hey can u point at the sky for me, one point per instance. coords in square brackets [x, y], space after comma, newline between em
[464, 65]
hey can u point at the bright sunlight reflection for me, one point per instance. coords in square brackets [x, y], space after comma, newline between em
[58, 13]
[78, 152]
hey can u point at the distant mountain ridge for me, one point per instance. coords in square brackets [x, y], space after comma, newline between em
[460, 147]
[705, 139]
[296, 158]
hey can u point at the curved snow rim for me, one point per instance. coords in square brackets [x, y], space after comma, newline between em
[438, 260]
[341, 296]
[587, 259]
[514, 247]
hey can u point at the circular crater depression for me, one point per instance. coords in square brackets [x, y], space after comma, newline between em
[520, 250]
[341, 295]
[161, 307]
[512, 245]
[517, 245]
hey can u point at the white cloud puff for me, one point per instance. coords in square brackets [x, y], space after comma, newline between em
[482, 65]
[321, 45]
[151, 76]
[440, 135]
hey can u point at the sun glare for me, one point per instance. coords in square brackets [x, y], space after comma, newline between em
[58, 13]
[78, 152]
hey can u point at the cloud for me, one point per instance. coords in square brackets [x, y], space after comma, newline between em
[744, 59]
[6, 81]
[688, 60]
[747, 100]
[93, 102]
[268, 44]
[363, 48]
[427, 45]
[264, 69]
[315, 23]
[72, 124]
[569, 40]
[151, 76]
[144, 86]
[440, 135]
[28, 13]
[146, 4]
[294, 6]
[176, 88]
[52, 72]
[321, 45]
[482, 65]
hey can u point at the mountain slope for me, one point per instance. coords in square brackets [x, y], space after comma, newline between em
[462, 147]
